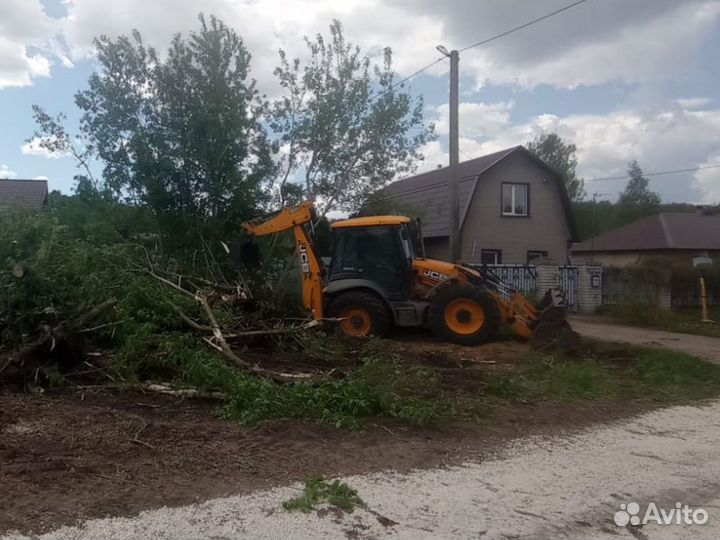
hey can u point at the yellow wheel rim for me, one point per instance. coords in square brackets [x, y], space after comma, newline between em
[464, 316]
[356, 321]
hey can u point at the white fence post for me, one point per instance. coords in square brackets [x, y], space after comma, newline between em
[589, 287]
[548, 277]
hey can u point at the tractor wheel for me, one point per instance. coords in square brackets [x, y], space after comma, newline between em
[363, 314]
[464, 315]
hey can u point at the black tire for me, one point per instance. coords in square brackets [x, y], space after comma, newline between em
[379, 317]
[438, 316]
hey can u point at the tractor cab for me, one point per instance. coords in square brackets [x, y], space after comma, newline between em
[376, 250]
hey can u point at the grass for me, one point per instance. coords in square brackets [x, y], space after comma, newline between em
[378, 388]
[385, 387]
[676, 377]
[613, 372]
[317, 491]
[686, 321]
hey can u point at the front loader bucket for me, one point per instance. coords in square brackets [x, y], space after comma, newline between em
[552, 331]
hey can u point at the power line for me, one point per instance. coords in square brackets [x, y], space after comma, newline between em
[492, 38]
[524, 25]
[418, 72]
[657, 173]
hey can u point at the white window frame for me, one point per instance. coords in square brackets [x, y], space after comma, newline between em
[496, 252]
[513, 186]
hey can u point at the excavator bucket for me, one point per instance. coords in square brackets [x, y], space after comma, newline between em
[552, 331]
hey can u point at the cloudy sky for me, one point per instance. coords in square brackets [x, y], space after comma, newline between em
[623, 79]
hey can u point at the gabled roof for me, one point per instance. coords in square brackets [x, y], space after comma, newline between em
[429, 191]
[25, 193]
[661, 231]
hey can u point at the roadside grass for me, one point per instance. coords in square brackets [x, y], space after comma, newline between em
[317, 491]
[610, 372]
[677, 377]
[686, 321]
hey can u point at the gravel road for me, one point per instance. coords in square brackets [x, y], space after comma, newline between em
[566, 486]
[700, 346]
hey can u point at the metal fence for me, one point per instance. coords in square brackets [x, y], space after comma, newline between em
[521, 277]
[569, 285]
[622, 287]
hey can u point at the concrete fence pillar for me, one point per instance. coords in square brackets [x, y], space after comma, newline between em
[589, 289]
[664, 294]
[548, 277]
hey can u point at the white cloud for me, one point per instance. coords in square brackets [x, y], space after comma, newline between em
[34, 148]
[708, 180]
[594, 43]
[41, 177]
[26, 34]
[478, 119]
[6, 172]
[694, 103]
[668, 139]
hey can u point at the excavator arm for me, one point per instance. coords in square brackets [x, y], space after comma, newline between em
[296, 218]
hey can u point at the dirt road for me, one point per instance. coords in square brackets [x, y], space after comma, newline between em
[700, 346]
[565, 486]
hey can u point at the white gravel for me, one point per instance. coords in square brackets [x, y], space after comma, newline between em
[559, 487]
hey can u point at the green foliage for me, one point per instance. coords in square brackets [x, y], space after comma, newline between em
[317, 491]
[596, 218]
[57, 265]
[181, 134]
[561, 156]
[347, 124]
[637, 200]
[379, 388]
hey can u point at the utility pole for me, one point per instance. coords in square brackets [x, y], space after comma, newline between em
[454, 233]
[594, 223]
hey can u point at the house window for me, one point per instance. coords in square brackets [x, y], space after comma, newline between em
[515, 200]
[490, 256]
[535, 254]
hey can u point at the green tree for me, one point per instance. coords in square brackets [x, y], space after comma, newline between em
[182, 134]
[347, 125]
[637, 200]
[561, 156]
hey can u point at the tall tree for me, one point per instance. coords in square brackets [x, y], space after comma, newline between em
[637, 191]
[183, 133]
[560, 155]
[346, 125]
[637, 200]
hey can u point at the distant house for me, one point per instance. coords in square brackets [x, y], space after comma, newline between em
[514, 208]
[681, 236]
[32, 194]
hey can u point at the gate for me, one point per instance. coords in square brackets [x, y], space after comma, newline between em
[521, 277]
[569, 285]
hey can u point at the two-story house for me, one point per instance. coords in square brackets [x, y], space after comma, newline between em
[514, 208]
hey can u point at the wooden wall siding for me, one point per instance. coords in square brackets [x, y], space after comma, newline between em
[544, 229]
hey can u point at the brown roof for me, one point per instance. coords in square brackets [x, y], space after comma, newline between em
[428, 192]
[25, 193]
[661, 231]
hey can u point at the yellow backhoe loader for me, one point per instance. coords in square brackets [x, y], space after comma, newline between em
[375, 281]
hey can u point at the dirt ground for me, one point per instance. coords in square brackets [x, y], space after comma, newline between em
[75, 454]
